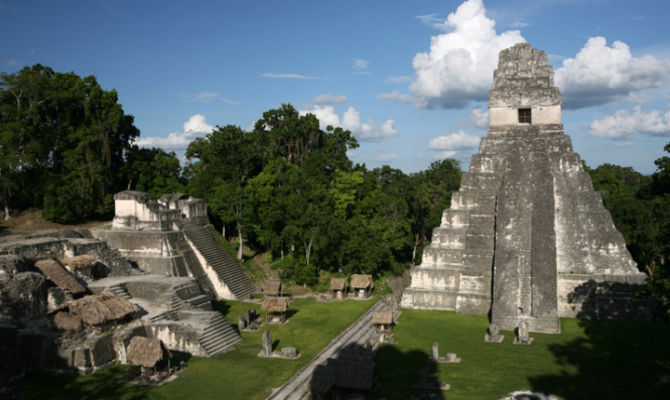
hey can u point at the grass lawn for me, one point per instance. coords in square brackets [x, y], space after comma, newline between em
[588, 360]
[237, 374]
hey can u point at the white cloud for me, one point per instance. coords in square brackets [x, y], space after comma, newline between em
[368, 131]
[454, 141]
[398, 79]
[397, 96]
[361, 73]
[480, 117]
[205, 97]
[445, 154]
[459, 66]
[432, 20]
[324, 99]
[12, 63]
[600, 74]
[287, 76]
[386, 157]
[195, 126]
[325, 114]
[359, 63]
[625, 125]
[623, 144]
[520, 23]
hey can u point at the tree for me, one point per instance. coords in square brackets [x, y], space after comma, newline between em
[153, 171]
[63, 141]
[226, 159]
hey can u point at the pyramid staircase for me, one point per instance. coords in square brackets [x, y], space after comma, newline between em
[119, 291]
[218, 335]
[227, 270]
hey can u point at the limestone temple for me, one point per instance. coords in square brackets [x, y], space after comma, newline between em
[75, 298]
[526, 236]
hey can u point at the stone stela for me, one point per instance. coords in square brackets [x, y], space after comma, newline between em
[526, 236]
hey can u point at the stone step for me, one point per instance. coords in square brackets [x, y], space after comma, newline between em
[455, 218]
[219, 260]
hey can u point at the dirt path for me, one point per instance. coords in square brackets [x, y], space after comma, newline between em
[31, 221]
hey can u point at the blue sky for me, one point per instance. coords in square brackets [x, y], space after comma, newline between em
[410, 79]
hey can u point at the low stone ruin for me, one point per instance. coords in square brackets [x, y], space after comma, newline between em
[286, 353]
[450, 358]
[249, 321]
[522, 336]
[69, 301]
[493, 335]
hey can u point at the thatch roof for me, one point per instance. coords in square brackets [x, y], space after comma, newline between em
[362, 281]
[382, 317]
[59, 275]
[145, 352]
[76, 262]
[275, 304]
[67, 322]
[101, 308]
[338, 284]
[272, 287]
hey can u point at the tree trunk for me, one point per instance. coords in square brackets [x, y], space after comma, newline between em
[6, 212]
[223, 231]
[308, 250]
[239, 236]
[416, 243]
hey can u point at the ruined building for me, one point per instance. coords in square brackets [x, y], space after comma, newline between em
[168, 236]
[71, 299]
[526, 237]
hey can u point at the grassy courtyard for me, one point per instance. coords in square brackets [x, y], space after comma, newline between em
[589, 360]
[238, 374]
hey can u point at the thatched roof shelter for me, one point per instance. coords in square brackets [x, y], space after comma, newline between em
[382, 317]
[77, 262]
[359, 281]
[59, 275]
[275, 304]
[146, 352]
[65, 321]
[338, 284]
[272, 288]
[101, 308]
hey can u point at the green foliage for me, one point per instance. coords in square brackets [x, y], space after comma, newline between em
[153, 171]
[63, 141]
[289, 188]
[640, 208]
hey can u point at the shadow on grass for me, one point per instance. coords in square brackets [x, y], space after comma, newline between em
[616, 360]
[407, 375]
[291, 312]
[108, 383]
[223, 307]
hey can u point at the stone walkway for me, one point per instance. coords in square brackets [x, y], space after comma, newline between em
[297, 387]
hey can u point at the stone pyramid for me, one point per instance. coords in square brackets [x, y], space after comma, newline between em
[526, 236]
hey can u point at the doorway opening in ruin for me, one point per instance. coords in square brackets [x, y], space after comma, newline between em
[524, 116]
